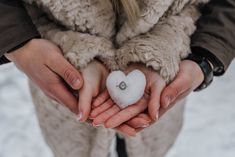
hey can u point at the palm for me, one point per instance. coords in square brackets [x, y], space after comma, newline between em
[107, 113]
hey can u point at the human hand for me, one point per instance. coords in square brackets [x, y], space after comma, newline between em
[44, 64]
[183, 84]
[107, 112]
[94, 76]
[189, 78]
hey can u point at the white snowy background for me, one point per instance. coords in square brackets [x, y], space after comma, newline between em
[209, 129]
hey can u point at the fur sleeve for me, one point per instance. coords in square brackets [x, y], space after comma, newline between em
[78, 48]
[164, 46]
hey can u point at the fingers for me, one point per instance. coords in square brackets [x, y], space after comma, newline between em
[84, 103]
[65, 70]
[100, 109]
[100, 119]
[133, 126]
[56, 89]
[138, 123]
[101, 98]
[127, 130]
[174, 89]
[164, 110]
[189, 77]
[64, 96]
[126, 114]
[154, 102]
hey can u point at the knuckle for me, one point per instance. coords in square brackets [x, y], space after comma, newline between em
[173, 91]
[176, 92]
[52, 56]
[51, 90]
[53, 80]
[68, 75]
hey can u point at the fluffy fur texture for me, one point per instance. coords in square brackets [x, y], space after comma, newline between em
[163, 46]
[85, 30]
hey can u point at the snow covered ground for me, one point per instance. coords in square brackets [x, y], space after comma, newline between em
[209, 128]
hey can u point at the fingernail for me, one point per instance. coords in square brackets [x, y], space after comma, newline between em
[167, 104]
[157, 116]
[168, 100]
[76, 83]
[145, 126]
[79, 117]
[96, 125]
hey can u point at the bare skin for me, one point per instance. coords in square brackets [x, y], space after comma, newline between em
[133, 119]
[107, 113]
[94, 76]
[43, 63]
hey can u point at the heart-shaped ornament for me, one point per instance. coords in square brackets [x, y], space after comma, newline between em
[126, 90]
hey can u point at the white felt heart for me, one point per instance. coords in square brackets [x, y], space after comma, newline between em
[126, 90]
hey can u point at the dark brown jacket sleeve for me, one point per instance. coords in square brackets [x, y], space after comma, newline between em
[16, 27]
[215, 35]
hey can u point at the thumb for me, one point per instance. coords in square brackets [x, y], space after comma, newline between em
[84, 103]
[175, 89]
[154, 102]
[65, 70]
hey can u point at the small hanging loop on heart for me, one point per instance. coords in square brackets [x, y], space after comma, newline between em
[122, 85]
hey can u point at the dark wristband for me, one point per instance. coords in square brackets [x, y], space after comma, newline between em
[218, 67]
[4, 60]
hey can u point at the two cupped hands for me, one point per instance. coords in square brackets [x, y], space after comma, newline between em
[42, 61]
[96, 104]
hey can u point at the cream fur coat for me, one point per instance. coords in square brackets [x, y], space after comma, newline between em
[86, 29]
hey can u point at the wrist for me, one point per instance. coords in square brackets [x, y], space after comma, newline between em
[17, 52]
[12, 56]
[103, 69]
[206, 70]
